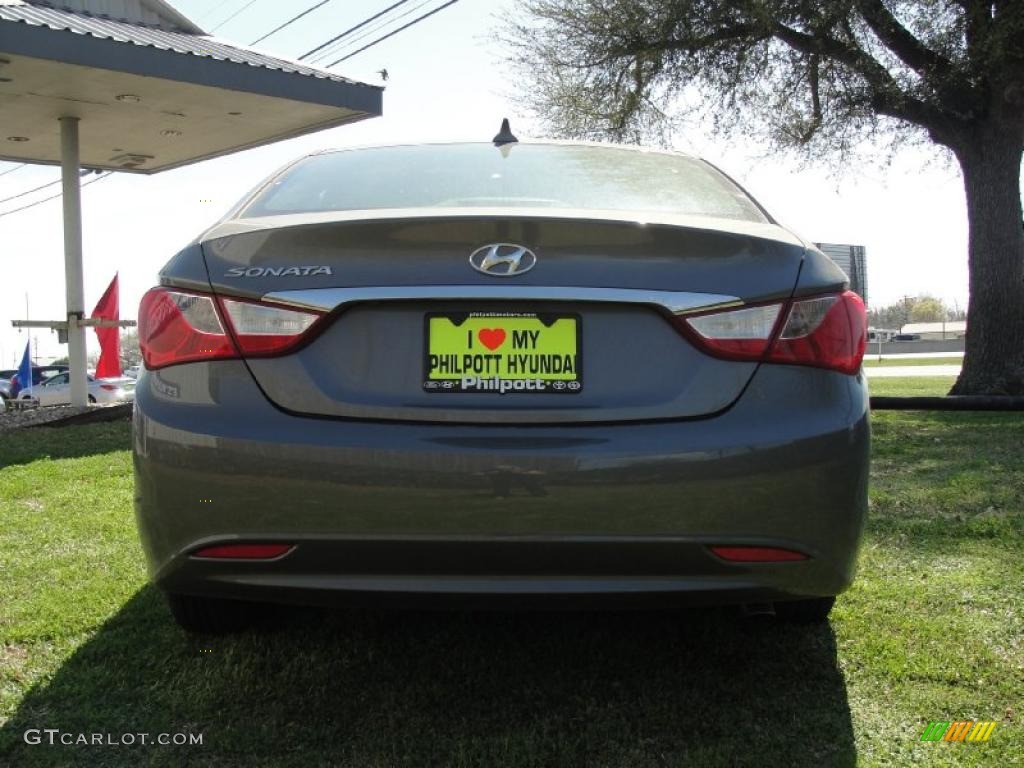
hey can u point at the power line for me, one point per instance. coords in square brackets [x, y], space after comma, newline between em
[290, 21]
[229, 18]
[36, 189]
[334, 49]
[52, 197]
[213, 10]
[372, 29]
[417, 20]
[349, 31]
[12, 170]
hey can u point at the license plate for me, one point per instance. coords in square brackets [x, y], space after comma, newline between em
[502, 353]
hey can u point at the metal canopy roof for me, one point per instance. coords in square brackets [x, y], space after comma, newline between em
[153, 96]
[144, 92]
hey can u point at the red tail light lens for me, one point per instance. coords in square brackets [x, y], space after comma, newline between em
[827, 332]
[823, 331]
[180, 327]
[177, 327]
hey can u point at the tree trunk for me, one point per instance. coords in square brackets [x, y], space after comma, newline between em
[994, 358]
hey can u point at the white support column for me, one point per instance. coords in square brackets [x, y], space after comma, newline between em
[73, 279]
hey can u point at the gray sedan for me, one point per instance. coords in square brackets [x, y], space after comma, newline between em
[500, 372]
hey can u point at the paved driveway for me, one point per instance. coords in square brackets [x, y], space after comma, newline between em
[911, 370]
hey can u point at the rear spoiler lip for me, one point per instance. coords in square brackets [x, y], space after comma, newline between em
[761, 230]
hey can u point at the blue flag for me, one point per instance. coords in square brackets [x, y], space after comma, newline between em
[25, 370]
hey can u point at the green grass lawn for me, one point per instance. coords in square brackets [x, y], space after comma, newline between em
[932, 630]
[874, 362]
[907, 386]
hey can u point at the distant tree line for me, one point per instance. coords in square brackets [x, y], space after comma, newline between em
[914, 309]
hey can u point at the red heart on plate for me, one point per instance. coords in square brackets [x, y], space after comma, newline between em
[492, 338]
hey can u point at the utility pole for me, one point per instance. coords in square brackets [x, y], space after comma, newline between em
[28, 336]
[906, 311]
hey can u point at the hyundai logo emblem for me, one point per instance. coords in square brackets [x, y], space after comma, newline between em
[503, 259]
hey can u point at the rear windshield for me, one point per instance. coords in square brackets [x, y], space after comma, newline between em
[513, 176]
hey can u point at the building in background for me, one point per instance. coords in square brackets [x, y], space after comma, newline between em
[950, 329]
[853, 261]
[881, 334]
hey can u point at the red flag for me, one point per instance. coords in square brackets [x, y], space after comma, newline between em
[109, 365]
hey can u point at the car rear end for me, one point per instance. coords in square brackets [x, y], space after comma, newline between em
[482, 372]
[113, 390]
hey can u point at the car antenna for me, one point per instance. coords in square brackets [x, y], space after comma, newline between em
[505, 135]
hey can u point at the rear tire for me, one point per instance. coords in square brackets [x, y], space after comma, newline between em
[810, 611]
[209, 615]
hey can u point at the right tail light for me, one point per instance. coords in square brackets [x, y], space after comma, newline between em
[827, 331]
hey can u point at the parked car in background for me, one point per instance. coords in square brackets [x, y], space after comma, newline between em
[57, 391]
[40, 373]
[549, 371]
[5, 383]
[132, 372]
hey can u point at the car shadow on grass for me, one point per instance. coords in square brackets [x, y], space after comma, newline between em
[360, 688]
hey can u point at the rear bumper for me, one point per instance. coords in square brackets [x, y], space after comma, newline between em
[623, 510]
[113, 398]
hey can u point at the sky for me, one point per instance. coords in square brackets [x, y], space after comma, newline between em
[447, 80]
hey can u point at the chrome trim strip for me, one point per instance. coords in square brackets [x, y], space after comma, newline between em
[676, 302]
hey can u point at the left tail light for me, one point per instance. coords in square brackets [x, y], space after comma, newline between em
[180, 327]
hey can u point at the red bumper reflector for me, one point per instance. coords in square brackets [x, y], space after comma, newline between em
[757, 554]
[244, 551]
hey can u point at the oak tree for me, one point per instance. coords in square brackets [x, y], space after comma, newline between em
[819, 77]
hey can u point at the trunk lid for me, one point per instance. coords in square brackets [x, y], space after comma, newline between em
[381, 279]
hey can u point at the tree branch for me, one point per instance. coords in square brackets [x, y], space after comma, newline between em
[721, 35]
[900, 41]
[887, 97]
[816, 116]
[938, 71]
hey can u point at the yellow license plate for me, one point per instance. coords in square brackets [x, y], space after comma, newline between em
[502, 353]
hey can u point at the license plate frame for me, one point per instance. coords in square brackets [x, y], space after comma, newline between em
[537, 373]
